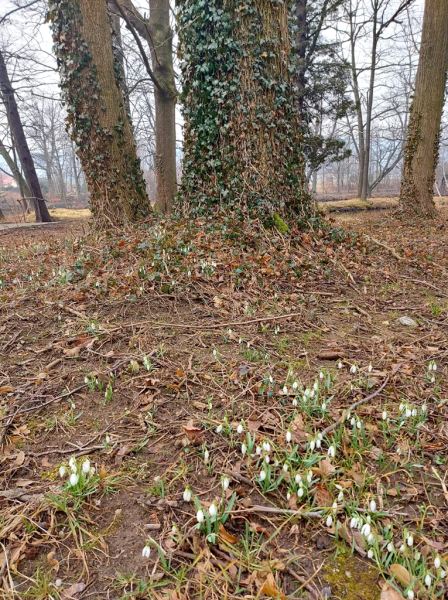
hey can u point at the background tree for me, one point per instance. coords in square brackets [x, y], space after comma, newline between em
[101, 127]
[20, 143]
[422, 146]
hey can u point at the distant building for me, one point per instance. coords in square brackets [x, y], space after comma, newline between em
[7, 181]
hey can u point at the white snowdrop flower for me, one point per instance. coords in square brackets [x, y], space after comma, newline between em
[408, 413]
[189, 273]
[258, 450]
[358, 424]
[146, 552]
[318, 443]
[417, 555]
[339, 365]
[300, 492]
[288, 436]
[295, 385]
[200, 516]
[428, 580]
[335, 505]
[219, 429]
[434, 366]
[411, 594]
[213, 510]
[62, 471]
[225, 482]
[214, 352]
[368, 519]
[187, 494]
[276, 462]
[384, 415]
[410, 541]
[442, 574]
[329, 521]
[74, 478]
[433, 379]
[267, 459]
[285, 468]
[370, 539]
[373, 505]
[341, 496]
[353, 523]
[390, 547]
[285, 389]
[266, 446]
[324, 406]
[92, 470]
[270, 379]
[86, 466]
[243, 449]
[240, 341]
[206, 456]
[369, 368]
[370, 553]
[86, 380]
[309, 477]
[107, 439]
[401, 407]
[365, 530]
[288, 496]
[352, 421]
[321, 375]
[332, 452]
[298, 478]
[320, 436]
[402, 548]
[353, 369]
[315, 386]
[294, 402]
[262, 475]
[229, 331]
[312, 394]
[424, 408]
[240, 429]
[312, 445]
[437, 562]
[72, 462]
[414, 412]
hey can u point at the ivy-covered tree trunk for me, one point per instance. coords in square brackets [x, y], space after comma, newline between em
[242, 134]
[422, 145]
[97, 116]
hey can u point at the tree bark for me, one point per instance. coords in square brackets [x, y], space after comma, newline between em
[158, 34]
[301, 41]
[19, 140]
[422, 145]
[101, 128]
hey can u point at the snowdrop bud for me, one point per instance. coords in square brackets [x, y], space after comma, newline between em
[408, 413]
[332, 452]
[258, 450]
[288, 496]
[369, 368]
[410, 541]
[239, 429]
[341, 496]
[312, 445]
[315, 386]
[339, 365]
[86, 466]
[219, 429]
[214, 352]
[200, 516]
[390, 547]
[312, 394]
[288, 436]
[368, 519]
[243, 449]
[294, 402]
[146, 552]
[206, 456]
[437, 562]
[266, 446]
[285, 389]
[401, 407]
[370, 539]
[384, 415]
[319, 436]
[285, 468]
[300, 492]
[434, 367]
[411, 594]
[107, 439]
[373, 505]
[414, 412]
[329, 521]
[262, 475]
[321, 375]
[295, 385]
[270, 379]
[72, 463]
[353, 523]
[335, 505]
[225, 482]
[433, 379]
[62, 471]
[424, 408]
[267, 459]
[213, 510]
[417, 555]
[442, 574]
[74, 479]
[309, 477]
[370, 553]
[353, 369]
[276, 462]
[365, 530]
[318, 443]
[187, 494]
[298, 478]
[428, 580]
[324, 406]
[358, 424]
[402, 548]
[352, 421]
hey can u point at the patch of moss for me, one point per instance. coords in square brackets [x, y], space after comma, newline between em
[280, 224]
[351, 578]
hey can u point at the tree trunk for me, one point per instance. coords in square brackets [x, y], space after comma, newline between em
[361, 141]
[15, 171]
[19, 140]
[422, 146]
[241, 148]
[101, 128]
[301, 40]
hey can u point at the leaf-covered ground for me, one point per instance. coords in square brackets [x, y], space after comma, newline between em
[177, 372]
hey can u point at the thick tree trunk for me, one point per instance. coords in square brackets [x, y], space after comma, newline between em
[301, 40]
[19, 140]
[422, 146]
[101, 128]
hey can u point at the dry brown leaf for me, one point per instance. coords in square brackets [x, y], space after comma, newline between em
[270, 588]
[24, 482]
[324, 468]
[194, 434]
[52, 561]
[20, 459]
[388, 593]
[73, 590]
[6, 389]
[400, 573]
[72, 352]
[259, 528]
[226, 536]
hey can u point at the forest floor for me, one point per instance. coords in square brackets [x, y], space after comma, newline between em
[149, 357]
